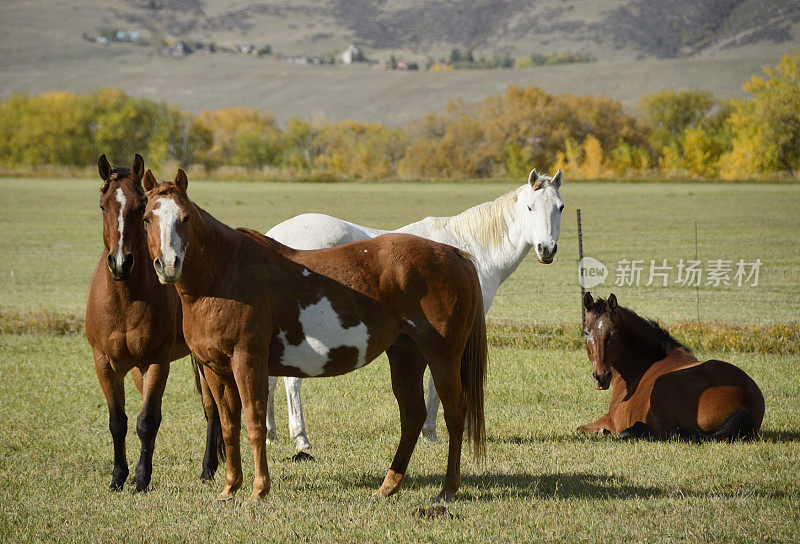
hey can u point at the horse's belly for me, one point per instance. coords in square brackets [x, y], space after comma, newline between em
[320, 346]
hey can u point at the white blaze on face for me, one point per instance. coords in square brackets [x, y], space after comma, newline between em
[322, 332]
[120, 196]
[171, 247]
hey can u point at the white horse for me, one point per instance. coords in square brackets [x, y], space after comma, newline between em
[498, 234]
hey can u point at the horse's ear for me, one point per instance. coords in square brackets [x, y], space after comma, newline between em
[558, 178]
[612, 302]
[588, 301]
[103, 167]
[533, 176]
[138, 167]
[181, 180]
[149, 181]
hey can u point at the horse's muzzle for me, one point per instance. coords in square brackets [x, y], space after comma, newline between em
[123, 271]
[602, 381]
[167, 275]
[546, 253]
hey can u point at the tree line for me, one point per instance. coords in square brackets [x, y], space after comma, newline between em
[687, 133]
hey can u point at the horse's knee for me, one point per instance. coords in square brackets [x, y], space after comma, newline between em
[118, 423]
[147, 424]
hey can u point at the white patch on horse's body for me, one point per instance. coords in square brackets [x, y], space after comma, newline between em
[498, 234]
[167, 214]
[306, 273]
[120, 196]
[322, 332]
[410, 323]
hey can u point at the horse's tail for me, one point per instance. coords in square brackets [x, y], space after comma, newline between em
[215, 434]
[741, 425]
[473, 376]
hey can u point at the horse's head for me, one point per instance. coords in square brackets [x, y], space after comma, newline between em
[122, 201]
[601, 330]
[539, 207]
[166, 219]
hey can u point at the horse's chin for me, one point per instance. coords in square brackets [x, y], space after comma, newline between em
[164, 280]
[601, 387]
[543, 261]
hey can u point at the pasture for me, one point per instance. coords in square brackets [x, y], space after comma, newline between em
[540, 481]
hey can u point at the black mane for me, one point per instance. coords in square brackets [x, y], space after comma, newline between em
[664, 339]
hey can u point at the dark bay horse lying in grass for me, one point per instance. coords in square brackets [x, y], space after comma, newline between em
[254, 307]
[133, 323]
[659, 388]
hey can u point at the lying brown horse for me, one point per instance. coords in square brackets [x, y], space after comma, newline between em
[254, 307]
[659, 388]
[134, 323]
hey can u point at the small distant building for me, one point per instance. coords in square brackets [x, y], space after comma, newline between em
[352, 54]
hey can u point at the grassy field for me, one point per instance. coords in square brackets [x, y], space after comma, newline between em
[541, 482]
[50, 239]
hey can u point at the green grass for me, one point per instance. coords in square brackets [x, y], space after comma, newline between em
[541, 482]
[50, 239]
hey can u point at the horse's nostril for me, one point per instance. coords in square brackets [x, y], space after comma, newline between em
[110, 261]
[128, 262]
[539, 248]
[555, 248]
[157, 262]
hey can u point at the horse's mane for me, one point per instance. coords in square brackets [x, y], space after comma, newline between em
[664, 339]
[484, 223]
[257, 236]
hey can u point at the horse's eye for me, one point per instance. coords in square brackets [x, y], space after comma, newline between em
[586, 333]
[185, 219]
[102, 208]
[561, 208]
[530, 208]
[146, 221]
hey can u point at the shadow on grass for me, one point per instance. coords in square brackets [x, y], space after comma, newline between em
[779, 436]
[487, 487]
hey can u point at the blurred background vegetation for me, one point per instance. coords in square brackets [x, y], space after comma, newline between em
[685, 134]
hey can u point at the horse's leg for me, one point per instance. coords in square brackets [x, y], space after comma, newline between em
[251, 377]
[215, 448]
[447, 378]
[601, 426]
[407, 367]
[297, 425]
[149, 420]
[230, 412]
[138, 380]
[432, 405]
[113, 385]
[272, 428]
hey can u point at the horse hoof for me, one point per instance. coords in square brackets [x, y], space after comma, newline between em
[207, 477]
[115, 486]
[432, 512]
[301, 456]
[142, 488]
[430, 436]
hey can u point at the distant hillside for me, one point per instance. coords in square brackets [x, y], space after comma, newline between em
[607, 29]
[641, 46]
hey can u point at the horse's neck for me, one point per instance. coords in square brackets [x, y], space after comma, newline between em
[208, 255]
[640, 348]
[492, 235]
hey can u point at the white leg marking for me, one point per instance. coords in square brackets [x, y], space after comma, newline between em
[432, 405]
[306, 273]
[120, 196]
[323, 332]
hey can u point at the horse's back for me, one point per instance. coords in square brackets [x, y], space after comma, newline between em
[703, 396]
[318, 231]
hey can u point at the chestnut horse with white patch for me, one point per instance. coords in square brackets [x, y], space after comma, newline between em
[254, 307]
[659, 388]
[134, 323]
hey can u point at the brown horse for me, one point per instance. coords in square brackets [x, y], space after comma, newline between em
[659, 388]
[134, 323]
[254, 307]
